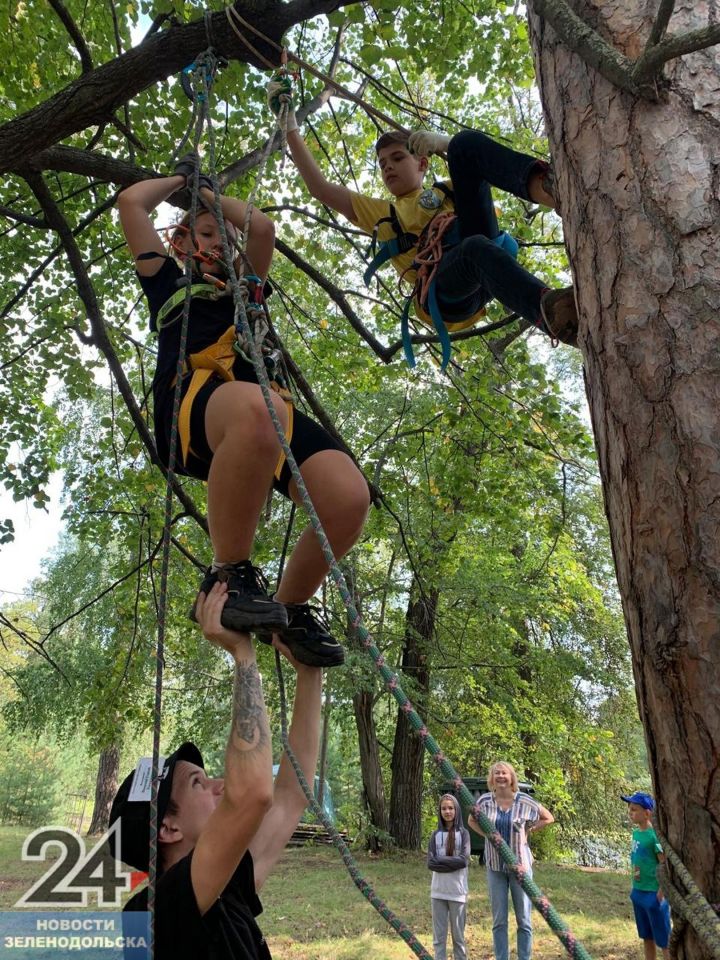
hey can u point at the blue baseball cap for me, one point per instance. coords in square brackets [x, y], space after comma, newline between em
[641, 799]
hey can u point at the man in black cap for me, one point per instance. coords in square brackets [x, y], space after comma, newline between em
[218, 839]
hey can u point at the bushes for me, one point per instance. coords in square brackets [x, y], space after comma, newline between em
[29, 785]
[587, 849]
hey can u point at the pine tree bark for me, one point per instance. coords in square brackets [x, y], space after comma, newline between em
[106, 785]
[639, 191]
[408, 750]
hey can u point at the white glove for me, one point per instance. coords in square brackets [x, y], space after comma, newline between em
[424, 143]
[279, 91]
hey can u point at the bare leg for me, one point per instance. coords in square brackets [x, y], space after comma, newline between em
[340, 497]
[650, 952]
[245, 451]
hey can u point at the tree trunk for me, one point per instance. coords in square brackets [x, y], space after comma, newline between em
[322, 763]
[106, 786]
[408, 750]
[521, 652]
[639, 186]
[370, 767]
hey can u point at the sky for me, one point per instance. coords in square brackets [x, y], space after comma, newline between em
[36, 532]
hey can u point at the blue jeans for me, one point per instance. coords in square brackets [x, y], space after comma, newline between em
[499, 885]
[476, 270]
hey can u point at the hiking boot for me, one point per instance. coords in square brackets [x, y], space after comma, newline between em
[558, 315]
[307, 637]
[248, 606]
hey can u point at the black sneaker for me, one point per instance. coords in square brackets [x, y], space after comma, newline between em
[248, 606]
[559, 317]
[307, 637]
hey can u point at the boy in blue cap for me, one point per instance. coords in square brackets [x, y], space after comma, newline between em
[652, 913]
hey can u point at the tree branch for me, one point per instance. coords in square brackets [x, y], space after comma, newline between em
[95, 96]
[75, 35]
[336, 294]
[23, 218]
[661, 21]
[589, 45]
[637, 77]
[89, 163]
[454, 337]
[651, 62]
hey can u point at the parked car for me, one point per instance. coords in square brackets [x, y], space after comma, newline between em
[477, 786]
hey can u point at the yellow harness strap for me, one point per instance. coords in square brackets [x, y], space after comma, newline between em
[218, 359]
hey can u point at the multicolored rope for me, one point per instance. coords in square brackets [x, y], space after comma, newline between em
[574, 948]
[692, 907]
[366, 888]
[204, 69]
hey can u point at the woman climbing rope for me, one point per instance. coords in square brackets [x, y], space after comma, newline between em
[226, 434]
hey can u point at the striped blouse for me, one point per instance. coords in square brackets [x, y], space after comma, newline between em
[524, 811]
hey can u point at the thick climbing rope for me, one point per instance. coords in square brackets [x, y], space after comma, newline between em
[202, 76]
[692, 907]
[367, 890]
[574, 948]
[398, 925]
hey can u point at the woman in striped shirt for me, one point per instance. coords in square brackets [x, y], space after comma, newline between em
[514, 816]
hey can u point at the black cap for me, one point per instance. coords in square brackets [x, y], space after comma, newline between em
[134, 815]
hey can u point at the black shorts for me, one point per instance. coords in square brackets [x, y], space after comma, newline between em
[308, 437]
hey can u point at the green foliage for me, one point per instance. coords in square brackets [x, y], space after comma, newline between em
[29, 784]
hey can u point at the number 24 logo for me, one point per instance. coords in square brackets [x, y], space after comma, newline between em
[77, 873]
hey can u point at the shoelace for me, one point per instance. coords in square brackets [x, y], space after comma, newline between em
[249, 576]
[311, 610]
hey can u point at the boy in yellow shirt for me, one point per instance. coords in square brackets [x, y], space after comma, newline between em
[478, 259]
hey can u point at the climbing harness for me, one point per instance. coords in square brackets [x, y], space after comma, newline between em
[439, 235]
[218, 358]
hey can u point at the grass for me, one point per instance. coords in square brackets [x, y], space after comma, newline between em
[313, 911]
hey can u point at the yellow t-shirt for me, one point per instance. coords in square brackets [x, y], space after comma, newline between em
[414, 211]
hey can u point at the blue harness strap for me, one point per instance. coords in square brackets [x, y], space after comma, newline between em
[403, 241]
[387, 250]
[503, 240]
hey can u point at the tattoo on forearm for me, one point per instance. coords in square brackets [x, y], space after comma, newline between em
[249, 722]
